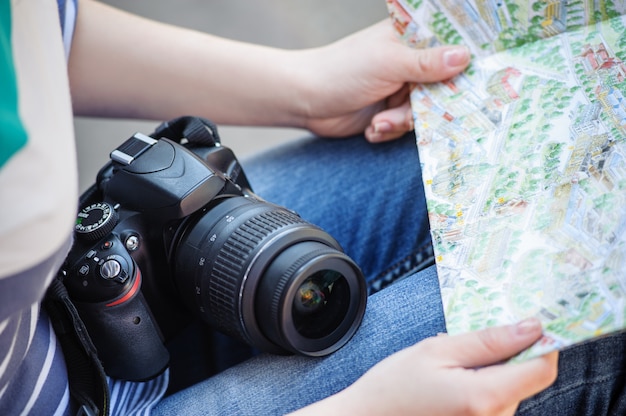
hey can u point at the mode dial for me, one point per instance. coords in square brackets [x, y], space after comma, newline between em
[96, 221]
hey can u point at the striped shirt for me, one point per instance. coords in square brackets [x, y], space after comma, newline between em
[38, 194]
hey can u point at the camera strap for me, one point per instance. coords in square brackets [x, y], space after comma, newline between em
[88, 383]
[196, 130]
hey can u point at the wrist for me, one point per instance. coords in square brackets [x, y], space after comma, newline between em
[278, 93]
[301, 75]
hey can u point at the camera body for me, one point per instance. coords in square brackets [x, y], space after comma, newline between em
[171, 232]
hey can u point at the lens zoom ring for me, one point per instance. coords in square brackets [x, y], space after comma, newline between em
[231, 261]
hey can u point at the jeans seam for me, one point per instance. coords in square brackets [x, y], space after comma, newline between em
[417, 260]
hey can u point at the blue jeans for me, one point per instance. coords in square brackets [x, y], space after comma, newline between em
[370, 198]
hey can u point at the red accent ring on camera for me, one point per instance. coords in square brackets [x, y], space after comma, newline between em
[134, 288]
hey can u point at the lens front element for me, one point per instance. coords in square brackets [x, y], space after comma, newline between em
[319, 304]
[311, 299]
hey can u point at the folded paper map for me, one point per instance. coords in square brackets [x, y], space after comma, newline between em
[523, 159]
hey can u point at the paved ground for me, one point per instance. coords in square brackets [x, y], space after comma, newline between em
[281, 23]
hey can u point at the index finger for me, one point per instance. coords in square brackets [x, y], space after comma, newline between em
[489, 346]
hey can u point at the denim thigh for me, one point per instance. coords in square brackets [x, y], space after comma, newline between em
[401, 315]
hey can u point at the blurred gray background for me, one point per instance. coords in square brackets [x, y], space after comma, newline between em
[281, 23]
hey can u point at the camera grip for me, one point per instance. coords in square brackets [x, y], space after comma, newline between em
[127, 338]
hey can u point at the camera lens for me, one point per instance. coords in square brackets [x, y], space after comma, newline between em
[315, 293]
[259, 272]
[309, 298]
[314, 300]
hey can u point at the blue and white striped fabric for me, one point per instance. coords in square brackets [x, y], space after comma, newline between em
[38, 194]
[67, 15]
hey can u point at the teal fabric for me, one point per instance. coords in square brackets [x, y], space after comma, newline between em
[12, 132]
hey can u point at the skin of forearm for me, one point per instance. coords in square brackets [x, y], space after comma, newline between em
[122, 65]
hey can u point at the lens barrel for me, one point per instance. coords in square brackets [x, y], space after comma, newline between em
[261, 273]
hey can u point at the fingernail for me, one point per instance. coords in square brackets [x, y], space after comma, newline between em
[456, 56]
[374, 137]
[383, 127]
[527, 326]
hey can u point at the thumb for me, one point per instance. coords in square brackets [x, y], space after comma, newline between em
[435, 64]
[491, 345]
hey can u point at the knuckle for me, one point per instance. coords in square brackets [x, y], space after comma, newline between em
[491, 342]
[424, 62]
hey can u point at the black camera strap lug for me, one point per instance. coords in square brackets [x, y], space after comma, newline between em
[88, 383]
[196, 130]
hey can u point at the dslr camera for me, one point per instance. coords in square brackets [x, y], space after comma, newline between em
[171, 232]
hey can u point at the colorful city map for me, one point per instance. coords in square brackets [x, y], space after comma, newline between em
[523, 162]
